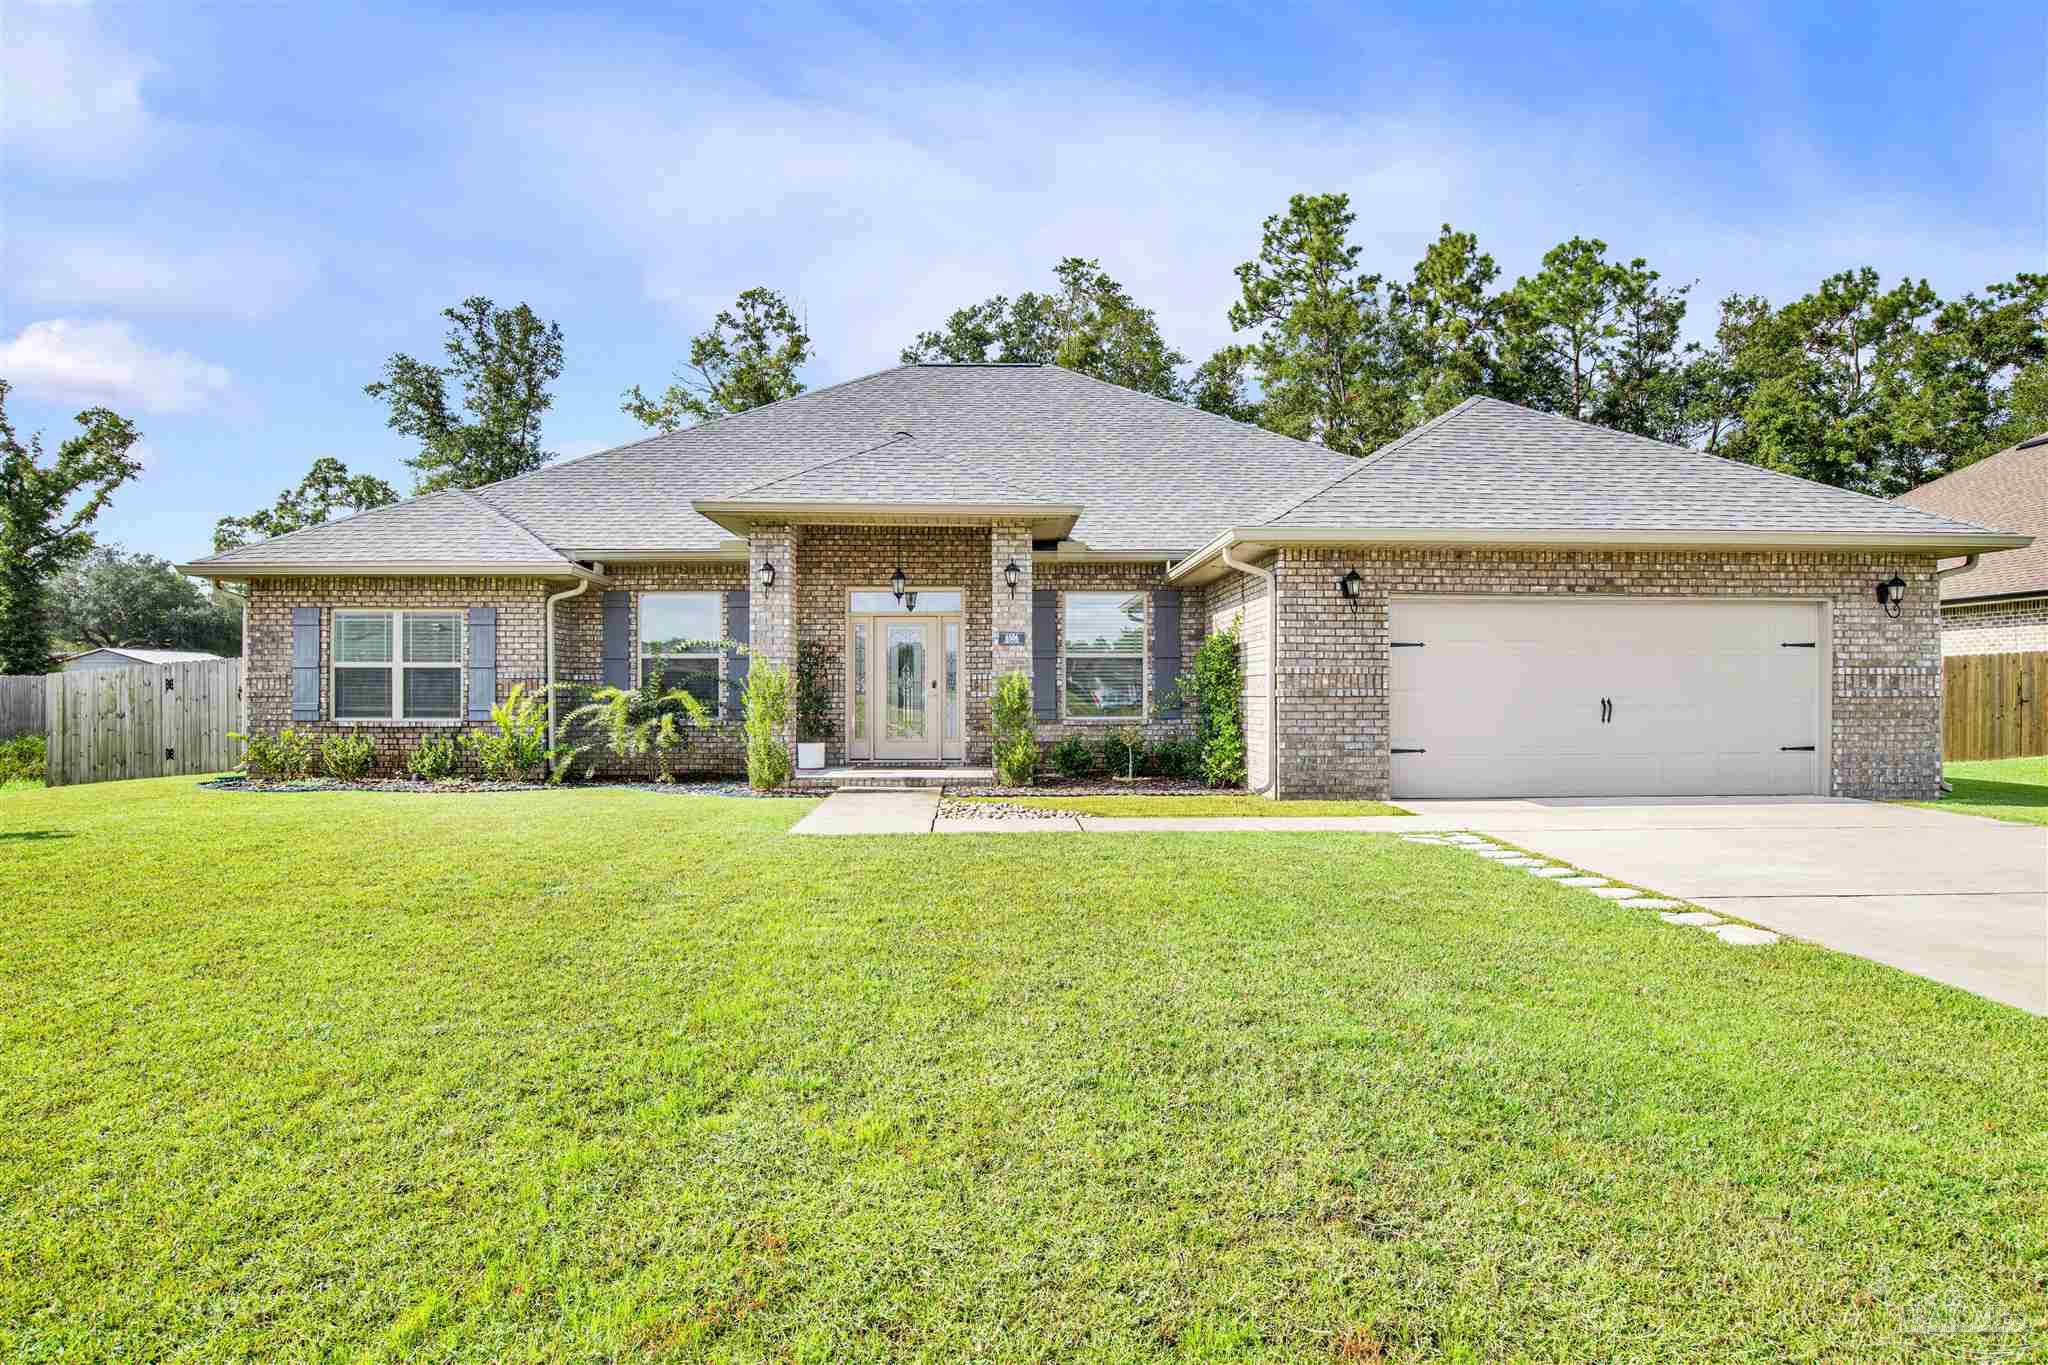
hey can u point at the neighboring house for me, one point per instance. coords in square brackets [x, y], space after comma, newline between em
[1501, 602]
[2001, 605]
[128, 656]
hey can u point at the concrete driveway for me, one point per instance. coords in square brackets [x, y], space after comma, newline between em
[1955, 898]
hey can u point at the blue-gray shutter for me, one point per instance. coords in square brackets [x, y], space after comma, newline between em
[740, 630]
[305, 663]
[1045, 653]
[1166, 647]
[483, 661]
[618, 639]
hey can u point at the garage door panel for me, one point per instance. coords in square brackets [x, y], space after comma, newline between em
[1504, 697]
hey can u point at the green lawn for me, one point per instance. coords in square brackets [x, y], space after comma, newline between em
[2002, 788]
[615, 1075]
[1223, 803]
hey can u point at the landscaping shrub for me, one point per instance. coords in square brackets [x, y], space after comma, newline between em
[23, 758]
[1124, 753]
[1070, 758]
[1016, 746]
[1214, 690]
[1179, 757]
[347, 758]
[635, 721]
[768, 697]
[815, 668]
[285, 756]
[438, 758]
[515, 749]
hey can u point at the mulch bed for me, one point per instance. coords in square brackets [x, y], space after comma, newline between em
[461, 785]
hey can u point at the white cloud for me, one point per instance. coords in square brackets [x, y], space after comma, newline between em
[106, 362]
[72, 95]
[243, 282]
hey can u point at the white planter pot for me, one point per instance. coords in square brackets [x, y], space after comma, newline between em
[810, 756]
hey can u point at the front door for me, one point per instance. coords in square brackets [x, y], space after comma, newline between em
[907, 690]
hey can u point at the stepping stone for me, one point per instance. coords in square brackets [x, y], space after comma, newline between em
[1652, 903]
[1521, 860]
[1466, 839]
[1583, 881]
[1611, 893]
[1496, 853]
[1744, 935]
[1698, 917]
[1551, 871]
[1421, 839]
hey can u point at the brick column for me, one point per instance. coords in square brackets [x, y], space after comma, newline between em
[1009, 543]
[772, 611]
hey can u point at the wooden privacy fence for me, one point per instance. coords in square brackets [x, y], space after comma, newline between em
[1992, 705]
[152, 720]
[21, 705]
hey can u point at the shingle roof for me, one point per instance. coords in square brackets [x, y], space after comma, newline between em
[148, 656]
[2009, 489]
[1489, 465]
[455, 528]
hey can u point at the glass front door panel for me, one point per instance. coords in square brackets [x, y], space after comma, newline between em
[905, 712]
[860, 683]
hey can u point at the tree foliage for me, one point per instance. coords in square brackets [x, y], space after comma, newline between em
[46, 517]
[328, 488]
[750, 356]
[504, 360]
[1089, 323]
[112, 598]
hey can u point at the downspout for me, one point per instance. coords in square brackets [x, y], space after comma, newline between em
[582, 586]
[1272, 786]
[1969, 563]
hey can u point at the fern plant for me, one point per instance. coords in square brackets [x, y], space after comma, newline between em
[636, 721]
[516, 747]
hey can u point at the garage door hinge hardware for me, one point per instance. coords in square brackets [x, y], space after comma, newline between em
[1411, 751]
[1407, 644]
[1795, 748]
[1799, 644]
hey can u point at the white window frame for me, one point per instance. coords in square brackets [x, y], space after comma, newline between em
[1143, 655]
[397, 665]
[717, 657]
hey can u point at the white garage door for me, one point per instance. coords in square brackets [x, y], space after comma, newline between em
[1607, 697]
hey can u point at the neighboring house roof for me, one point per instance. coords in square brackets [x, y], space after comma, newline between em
[146, 656]
[1118, 471]
[2008, 489]
[1494, 472]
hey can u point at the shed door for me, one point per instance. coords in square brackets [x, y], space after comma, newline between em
[1607, 697]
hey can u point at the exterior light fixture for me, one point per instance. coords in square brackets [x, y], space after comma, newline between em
[1352, 586]
[766, 574]
[1891, 594]
[1011, 573]
[898, 584]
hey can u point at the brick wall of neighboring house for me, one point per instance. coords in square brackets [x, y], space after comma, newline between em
[1139, 578]
[1333, 663]
[267, 647]
[1995, 627]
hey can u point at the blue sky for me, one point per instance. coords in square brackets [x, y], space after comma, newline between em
[221, 219]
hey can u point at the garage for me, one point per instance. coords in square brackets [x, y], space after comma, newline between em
[1494, 697]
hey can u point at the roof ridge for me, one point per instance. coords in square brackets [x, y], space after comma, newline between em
[1366, 461]
[813, 468]
[1179, 406]
[517, 524]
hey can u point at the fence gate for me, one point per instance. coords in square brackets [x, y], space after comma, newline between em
[151, 720]
[1994, 705]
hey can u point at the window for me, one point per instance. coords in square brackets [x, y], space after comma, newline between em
[923, 603]
[398, 665]
[1104, 635]
[679, 633]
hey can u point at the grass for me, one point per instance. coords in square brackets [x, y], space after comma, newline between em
[1223, 803]
[2013, 789]
[598, 1075]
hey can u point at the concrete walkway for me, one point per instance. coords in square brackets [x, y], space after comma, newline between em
[855, 811]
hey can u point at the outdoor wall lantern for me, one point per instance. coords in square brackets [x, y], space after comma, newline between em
[766, 573]
[898, 584]
[1352, 586]
[1891, 593]
[1011, 573]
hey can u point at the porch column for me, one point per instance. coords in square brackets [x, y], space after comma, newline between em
[1009, 543]
[772, 611]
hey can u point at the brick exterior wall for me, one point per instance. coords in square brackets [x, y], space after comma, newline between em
[1240, 599]
[1995, 627]
[1333, 662]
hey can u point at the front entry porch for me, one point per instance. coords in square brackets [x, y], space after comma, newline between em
[888, 775]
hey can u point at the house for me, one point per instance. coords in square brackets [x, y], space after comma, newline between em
[130, 656]
[1501, 602]
[2001, 605]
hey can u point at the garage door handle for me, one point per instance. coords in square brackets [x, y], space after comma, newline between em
[1795, 748]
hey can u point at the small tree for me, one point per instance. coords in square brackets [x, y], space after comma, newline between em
[1214, 690]
[768, 698]
[1016, 743]
[46, 515]
[814, 665]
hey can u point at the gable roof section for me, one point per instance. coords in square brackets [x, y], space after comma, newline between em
[449, 532]
[2007, 489]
